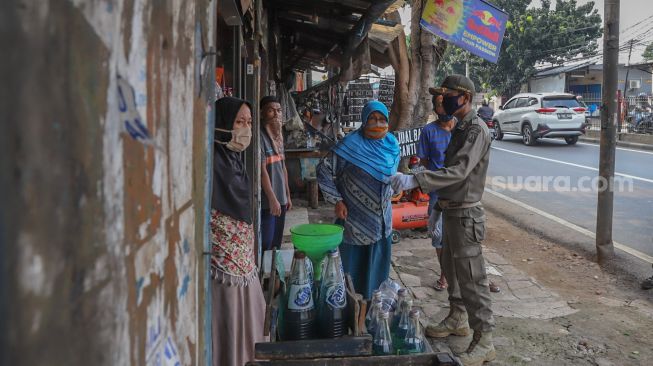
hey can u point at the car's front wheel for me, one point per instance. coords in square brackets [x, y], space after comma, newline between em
[527, 135]
[571, 140]
[497, 131]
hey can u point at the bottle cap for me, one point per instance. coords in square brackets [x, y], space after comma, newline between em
[376, 295]
[402, 292]
[299, 254]
[414, 313]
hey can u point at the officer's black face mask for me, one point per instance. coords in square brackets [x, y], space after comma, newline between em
[450, 103]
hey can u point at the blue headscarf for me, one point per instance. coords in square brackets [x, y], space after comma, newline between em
[379, 158]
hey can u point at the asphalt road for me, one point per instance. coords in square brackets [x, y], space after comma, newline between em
[560, 180]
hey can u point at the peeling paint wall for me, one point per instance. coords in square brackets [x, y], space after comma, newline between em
[103, 152]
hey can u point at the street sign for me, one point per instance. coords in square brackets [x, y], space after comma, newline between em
[473, 25]
[408, 140]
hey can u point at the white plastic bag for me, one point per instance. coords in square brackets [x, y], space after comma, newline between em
[435, 226]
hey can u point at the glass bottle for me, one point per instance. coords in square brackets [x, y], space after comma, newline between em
[372, 312]
[332, 303]
[402, 295]
[404, 323]
[382, 342]
[377, 307]
[414, 341]
[300, 311]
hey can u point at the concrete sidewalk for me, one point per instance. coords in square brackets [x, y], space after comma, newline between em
[626, 140]
[625, 144]
[415, 266]
[555, 306]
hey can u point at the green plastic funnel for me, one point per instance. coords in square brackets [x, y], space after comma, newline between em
[315, 240]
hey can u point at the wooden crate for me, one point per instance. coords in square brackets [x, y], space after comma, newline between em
[424, 359]
[354, 349]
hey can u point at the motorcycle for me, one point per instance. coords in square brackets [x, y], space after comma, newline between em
[490, 126]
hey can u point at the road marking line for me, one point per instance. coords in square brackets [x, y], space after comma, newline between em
[619, 148]
[622, 247]
[572, 164]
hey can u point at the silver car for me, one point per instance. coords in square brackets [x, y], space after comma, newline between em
[540, 115]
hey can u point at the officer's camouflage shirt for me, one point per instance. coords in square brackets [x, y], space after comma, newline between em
[465, 166]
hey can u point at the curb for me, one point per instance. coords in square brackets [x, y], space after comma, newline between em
[631, 145]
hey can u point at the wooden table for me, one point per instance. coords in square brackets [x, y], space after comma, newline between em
[305, 153]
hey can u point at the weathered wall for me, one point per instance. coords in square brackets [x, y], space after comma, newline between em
[596, 77]
[553, 83]
[103, 185]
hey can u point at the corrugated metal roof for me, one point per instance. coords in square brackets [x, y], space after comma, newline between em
[563, 69]
[316, 32]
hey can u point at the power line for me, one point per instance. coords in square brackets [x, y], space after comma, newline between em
[637, 41]
[648, 18]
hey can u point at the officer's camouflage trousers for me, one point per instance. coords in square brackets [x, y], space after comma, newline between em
[464, 267]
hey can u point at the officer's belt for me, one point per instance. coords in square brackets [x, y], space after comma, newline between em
[451, 205]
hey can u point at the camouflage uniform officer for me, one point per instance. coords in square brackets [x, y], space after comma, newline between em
[460, 186]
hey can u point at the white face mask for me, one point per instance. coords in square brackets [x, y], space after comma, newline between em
[240, 139]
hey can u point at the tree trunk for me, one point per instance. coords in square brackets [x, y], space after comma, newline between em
[414, 75]
[431, 57]
[398, 55]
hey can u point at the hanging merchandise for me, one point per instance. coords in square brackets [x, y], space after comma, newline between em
[386, 92]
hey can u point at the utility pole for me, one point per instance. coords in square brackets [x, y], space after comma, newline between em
[604, 245]
[630, 52]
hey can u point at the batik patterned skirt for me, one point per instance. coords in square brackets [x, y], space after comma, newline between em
[238, 305]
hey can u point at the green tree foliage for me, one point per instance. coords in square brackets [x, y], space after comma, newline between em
[533, 35]
[648, 53]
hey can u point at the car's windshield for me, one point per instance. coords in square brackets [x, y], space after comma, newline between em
[560, 103]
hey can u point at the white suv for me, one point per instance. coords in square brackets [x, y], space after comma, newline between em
[538, 115]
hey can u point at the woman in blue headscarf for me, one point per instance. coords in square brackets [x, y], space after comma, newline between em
[355, 177]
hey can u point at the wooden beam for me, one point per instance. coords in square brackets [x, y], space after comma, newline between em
[322, 6]
[359, 31]
[314, 348]
[311, 29]
[424, 359]
[322, 16]
[323, 23]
